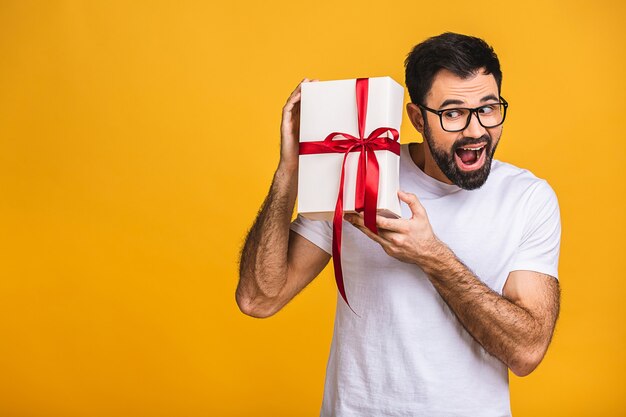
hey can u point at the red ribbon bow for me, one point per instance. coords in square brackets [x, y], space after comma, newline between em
[367, 172]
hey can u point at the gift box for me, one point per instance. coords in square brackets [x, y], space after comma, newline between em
[331, 107]
[349, 154]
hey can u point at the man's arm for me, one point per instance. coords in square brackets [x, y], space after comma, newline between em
[516, 327]
[277, 264]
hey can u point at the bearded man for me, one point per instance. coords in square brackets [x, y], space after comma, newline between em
[452, 295]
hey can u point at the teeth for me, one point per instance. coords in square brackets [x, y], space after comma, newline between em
[474, 149]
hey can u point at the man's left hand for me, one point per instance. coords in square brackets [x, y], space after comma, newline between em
[408, 240]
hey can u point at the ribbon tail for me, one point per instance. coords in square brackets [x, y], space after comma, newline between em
[371, 191]
[337, 232]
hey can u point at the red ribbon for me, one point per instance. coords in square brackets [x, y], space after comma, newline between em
[367, 171]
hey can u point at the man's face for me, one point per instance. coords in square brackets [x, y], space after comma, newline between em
[464, 157]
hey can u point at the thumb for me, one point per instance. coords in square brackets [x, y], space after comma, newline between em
[414, 204]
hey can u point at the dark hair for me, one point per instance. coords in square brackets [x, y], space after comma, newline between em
[460, 54]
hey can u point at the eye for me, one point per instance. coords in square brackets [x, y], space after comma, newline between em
[454, 114]
[489, 109]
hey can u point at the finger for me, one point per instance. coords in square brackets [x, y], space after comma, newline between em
[376, 238]
[353, 218]
[292, 100]
[385, 238]
[413, 203]
[292, 103]
[297, 89]
[381, 222]
[357, 221]
[385, 223]
[295, 93]
[389, 236]
[304, 80]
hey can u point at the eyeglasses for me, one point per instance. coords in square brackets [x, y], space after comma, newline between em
[457, 119]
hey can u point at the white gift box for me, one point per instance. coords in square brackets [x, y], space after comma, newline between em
[330, 106]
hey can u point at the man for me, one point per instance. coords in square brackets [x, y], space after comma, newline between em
[461, 288]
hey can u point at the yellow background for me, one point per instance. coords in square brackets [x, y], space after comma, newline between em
[138, 139]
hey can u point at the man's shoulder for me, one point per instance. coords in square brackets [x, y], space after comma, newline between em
[517, 180]
[509, 173]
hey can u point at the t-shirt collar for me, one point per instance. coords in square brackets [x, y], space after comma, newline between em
[431, 184]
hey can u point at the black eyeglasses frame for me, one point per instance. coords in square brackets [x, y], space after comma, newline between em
[439, 113]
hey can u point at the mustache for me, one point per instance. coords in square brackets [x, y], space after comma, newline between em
[467, 141]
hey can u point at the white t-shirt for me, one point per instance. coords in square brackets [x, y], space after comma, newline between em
[408, 355]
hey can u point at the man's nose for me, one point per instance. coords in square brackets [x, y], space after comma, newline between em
[474, 129]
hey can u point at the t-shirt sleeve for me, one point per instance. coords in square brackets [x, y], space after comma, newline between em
[318, 232]
[541, 240]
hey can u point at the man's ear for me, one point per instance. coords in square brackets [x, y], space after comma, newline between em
[415, 115]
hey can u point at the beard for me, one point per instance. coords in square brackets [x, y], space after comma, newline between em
[467, 180]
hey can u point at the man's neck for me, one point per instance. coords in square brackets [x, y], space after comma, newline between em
[420, 154]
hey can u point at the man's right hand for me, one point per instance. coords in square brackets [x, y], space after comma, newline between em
[277, 264]
[290, 128]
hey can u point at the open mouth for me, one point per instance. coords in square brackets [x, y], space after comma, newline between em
[469, 158]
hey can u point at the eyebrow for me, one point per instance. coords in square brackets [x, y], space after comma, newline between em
[459, 102]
